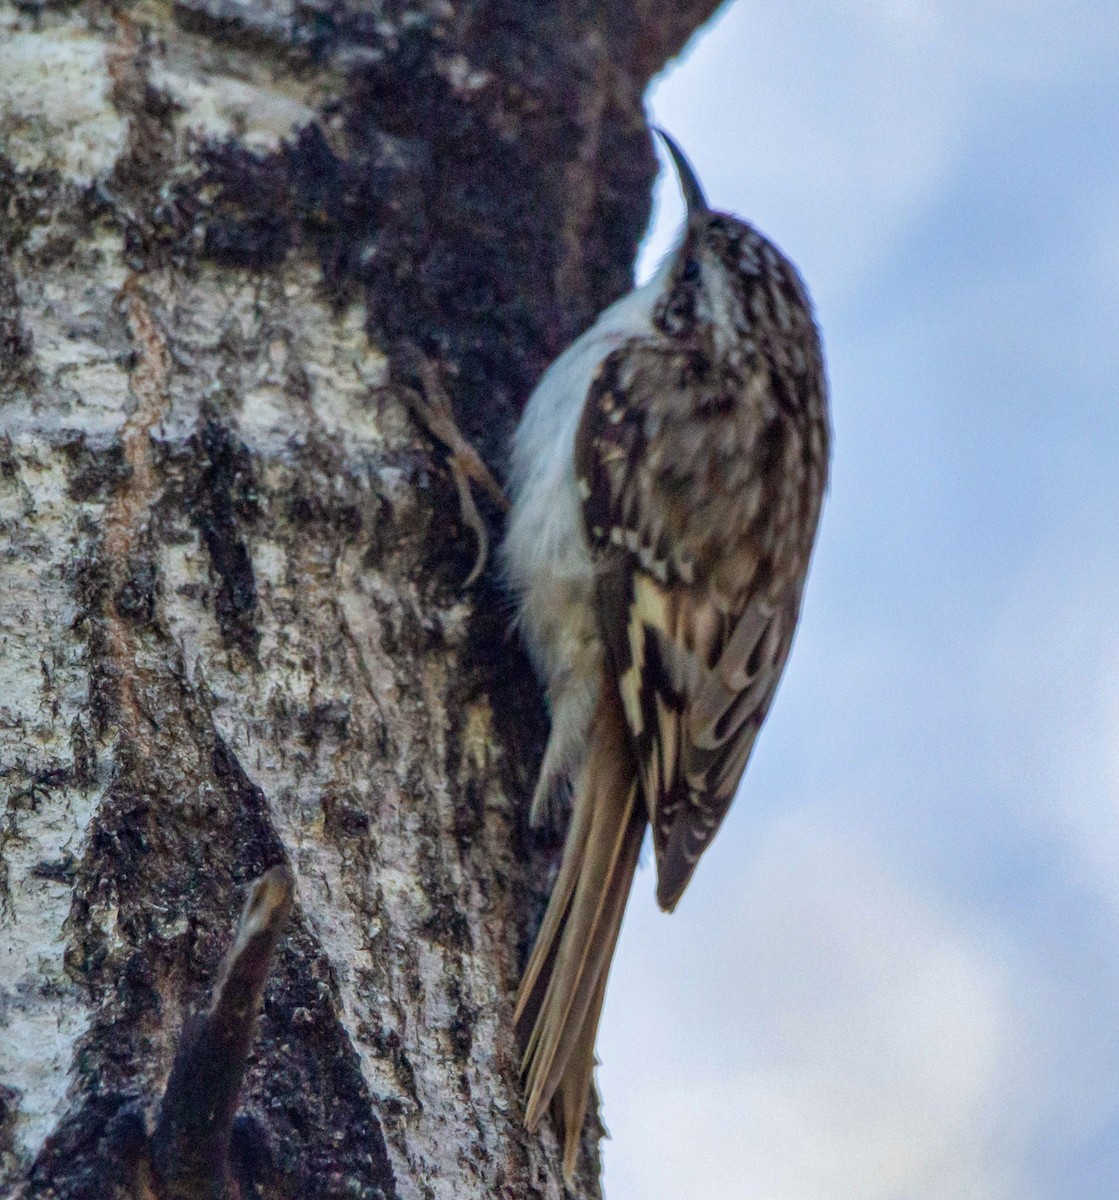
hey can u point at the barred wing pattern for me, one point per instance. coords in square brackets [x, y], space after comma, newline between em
[696, 514]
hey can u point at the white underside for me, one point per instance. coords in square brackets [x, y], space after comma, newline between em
[546, 556]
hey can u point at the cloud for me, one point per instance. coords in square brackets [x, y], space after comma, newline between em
[1050, 678]
[784, 128]
[835, 1034]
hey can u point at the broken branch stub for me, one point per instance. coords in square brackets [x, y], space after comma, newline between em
[190, 1145]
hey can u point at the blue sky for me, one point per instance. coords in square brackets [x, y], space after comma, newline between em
[896, 974]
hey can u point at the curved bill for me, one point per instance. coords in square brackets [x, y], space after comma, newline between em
[689, 185]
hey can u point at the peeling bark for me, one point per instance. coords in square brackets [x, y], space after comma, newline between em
[233, 633]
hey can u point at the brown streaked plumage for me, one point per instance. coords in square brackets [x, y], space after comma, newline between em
[698, 443]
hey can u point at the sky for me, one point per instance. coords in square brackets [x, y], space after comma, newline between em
[895, 975]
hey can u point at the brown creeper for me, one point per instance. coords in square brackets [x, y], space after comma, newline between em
[667, 480]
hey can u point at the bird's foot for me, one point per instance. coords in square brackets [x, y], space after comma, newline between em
[431, 406]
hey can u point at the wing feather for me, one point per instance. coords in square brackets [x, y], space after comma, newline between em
[696, 662]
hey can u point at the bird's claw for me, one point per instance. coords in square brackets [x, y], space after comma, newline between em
[432, 409]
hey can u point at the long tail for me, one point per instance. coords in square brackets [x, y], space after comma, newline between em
[564, 983]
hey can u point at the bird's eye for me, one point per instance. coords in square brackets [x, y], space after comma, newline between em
[691, 271]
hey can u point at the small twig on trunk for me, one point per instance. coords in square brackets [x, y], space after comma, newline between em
[190, 1146]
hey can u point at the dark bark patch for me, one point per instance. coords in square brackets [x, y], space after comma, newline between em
[470, 811]
[460, 1031]
[9, 464]
[17, 366]
[27, 199]
[224, 500]
[307, 1084]
[91, 581]
[386, 1044]
[343, 818]
[499, 665]
[248, 224]
[96, 473]
[327, 721]
[83, 751]
[447, 926]
[312, 509]
[264, 25]
[60, 870]
[136, 597]
[92, 1153]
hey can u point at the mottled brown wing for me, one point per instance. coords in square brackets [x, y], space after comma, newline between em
[696, 622]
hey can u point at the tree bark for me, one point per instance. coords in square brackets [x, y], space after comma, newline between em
[233, 633]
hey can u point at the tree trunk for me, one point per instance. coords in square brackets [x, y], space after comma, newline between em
[234, 631]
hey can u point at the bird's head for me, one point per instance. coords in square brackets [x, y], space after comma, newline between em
[725, 281]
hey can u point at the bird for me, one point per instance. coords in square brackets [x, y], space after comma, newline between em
[666, 479]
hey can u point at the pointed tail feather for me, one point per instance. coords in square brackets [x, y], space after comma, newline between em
[563, 987]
